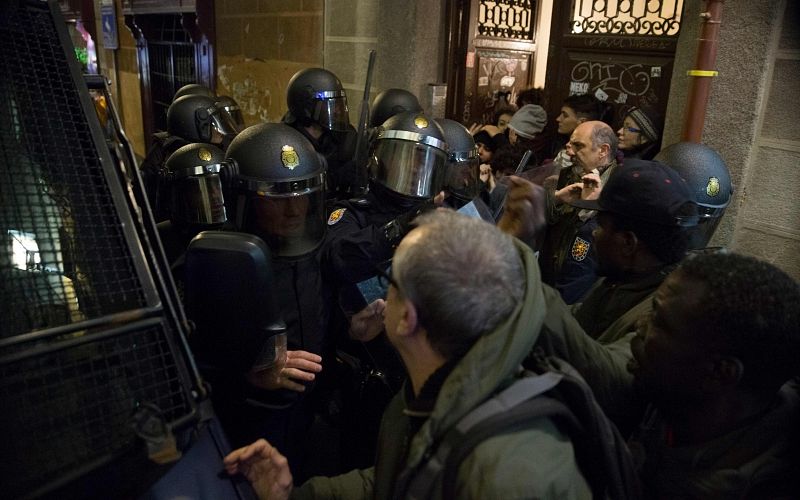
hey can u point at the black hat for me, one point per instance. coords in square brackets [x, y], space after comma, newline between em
[648, 191]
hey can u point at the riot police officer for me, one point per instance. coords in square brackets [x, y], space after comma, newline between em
[279, 197]
[192, 89]
[190, 119]
[193, 177]
[462, 181]
[708, 176]
[318, 109]
[408, 168]
[408, 164]
[389, 103]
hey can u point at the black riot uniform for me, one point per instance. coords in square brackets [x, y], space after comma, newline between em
[408, 167]
[408, 163]
[279, 197]
[315, 98]
[192, 118]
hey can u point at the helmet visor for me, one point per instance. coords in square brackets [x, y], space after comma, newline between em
[291, 224]
[409, 168]
[462, 180]
[224, 123]
[332, 113]
[235, 114]
[198, 199]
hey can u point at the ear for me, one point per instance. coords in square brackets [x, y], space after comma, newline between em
[725, 371]
[408, 319]
[605, 150]
[627, 242]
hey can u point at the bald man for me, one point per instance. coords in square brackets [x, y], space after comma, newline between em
[567, 258]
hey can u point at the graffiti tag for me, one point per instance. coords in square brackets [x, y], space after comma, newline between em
[611, 78]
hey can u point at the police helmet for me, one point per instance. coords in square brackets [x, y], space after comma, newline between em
[193, 89]
[463, 163]
[710, 180]
[194, 175]
[195, 118]
[409, 155]
[230, 106]
[280, 184]
[391, 102]
[315, 95]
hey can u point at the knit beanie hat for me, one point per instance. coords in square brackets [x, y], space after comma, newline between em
[528, 121]
[647, 121]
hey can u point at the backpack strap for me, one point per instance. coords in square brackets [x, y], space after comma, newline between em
[497, 407]
[519, 418]
[601, 452]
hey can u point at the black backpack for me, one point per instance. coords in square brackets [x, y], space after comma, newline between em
[549, 388]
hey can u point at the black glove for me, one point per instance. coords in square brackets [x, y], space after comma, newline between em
[396, 229]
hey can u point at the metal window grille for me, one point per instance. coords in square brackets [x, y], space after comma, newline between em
[627, 17]
[172, 65]
[507, 19]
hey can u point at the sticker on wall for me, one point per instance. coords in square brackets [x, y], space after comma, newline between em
[655, 72]
[483, 81]
[470, 59]
[601, 95]
[507, 81]
[578, 88]
[622, 98]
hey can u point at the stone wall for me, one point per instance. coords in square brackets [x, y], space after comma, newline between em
[749, 122]
[260, 45]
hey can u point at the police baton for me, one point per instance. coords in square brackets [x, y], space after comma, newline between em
[520, 167]
[360, 156]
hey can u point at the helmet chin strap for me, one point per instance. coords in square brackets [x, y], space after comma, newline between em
[241, 210]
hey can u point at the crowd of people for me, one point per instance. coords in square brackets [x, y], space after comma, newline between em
[458, 270]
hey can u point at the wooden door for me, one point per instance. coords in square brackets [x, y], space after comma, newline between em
[622, 51]
[493, 58]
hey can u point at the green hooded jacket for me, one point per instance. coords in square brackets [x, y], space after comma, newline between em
[538, 462]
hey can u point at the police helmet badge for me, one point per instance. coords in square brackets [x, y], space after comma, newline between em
[204, 154]
[712, 188]
[289, 157]
[420, 121]
[580, 248]
[336, 216]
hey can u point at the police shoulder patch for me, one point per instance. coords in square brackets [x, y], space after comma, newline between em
[580, 248]
[336, 216]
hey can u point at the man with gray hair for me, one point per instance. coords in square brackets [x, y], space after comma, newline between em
[464, 308]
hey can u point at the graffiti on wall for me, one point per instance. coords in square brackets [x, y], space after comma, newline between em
[254, 100]
[613, 82]
[499, 77]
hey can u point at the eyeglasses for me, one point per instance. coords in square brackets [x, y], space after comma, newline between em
[633, 130]
[384, 277]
